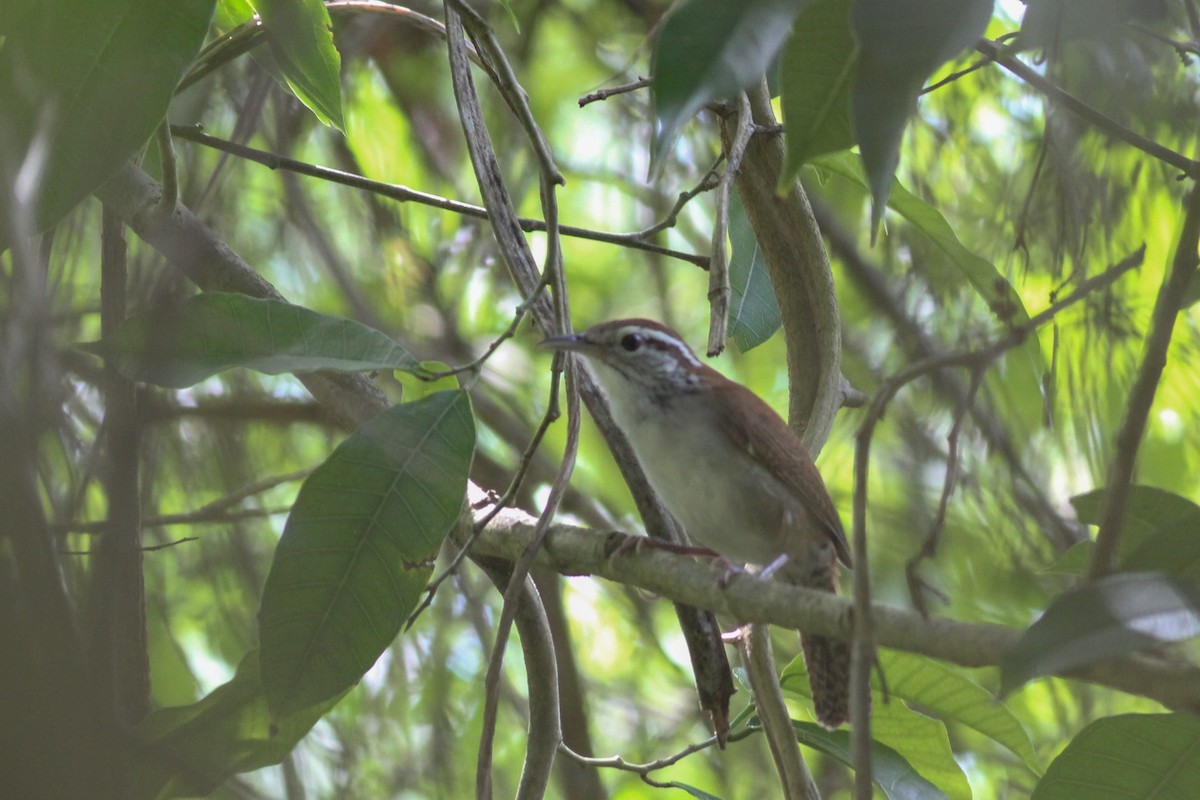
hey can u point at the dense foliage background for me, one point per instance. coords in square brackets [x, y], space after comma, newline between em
[207, 565]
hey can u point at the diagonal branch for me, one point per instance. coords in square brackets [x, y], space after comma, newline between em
[1170, 300]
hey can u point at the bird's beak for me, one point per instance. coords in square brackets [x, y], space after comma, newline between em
[574, 342]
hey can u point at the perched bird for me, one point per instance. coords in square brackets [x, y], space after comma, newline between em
[728, 468]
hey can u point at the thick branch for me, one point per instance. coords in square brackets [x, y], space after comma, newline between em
[799, 269]
[579, 551]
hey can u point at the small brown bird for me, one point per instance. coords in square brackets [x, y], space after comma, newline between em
[729, 469]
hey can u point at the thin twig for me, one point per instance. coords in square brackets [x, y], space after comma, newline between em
[1187, 166]
[511, 90]
[1183, 49]
[1141, 397]
[144, 549]
[644, 769]
[954, 76]
[197, 517]
[604, 94]
[718, 265]
[475, 365]
[709, 182]
[403, 194]
[170, 174]
[209, 512]
[928, 549]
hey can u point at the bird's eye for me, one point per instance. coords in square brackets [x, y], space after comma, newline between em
[631, 341]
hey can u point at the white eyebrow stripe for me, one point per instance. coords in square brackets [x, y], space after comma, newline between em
[666, 341]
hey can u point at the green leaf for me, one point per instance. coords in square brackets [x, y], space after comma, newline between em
[82, 87]
[358, 548]
[301, 38]
[819, 64]
[1074, 561]
[1161, 531]
[1191, 295]
[1148, 509]
[754, 312]
[901, 44]
[711, 50]
[214, 331]
[892, 772]
[1102, 619]
[948, 693]
[1128, 757]
[920, 741]
[191, 750]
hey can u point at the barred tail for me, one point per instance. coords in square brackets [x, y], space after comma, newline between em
[828, 662]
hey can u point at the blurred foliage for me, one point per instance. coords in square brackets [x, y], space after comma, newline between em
[1034, 199]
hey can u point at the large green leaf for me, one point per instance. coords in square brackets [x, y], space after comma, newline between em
[710, 50]
[1161, 532]
[1102, 619]
[82, 87]
[188, 751]
[358, 548]
[211, 332]
[901, 43]
[753, 310]
[301, 39]
[892, 772]
[819, 64]
[1128, 757]
[948, 693]
[920, 741]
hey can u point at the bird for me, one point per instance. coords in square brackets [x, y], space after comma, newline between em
[729, 469]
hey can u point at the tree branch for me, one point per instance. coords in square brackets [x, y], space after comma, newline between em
[636, 240]
[1001, 56]
[1170, 300]
[799, 268]
[579, 551]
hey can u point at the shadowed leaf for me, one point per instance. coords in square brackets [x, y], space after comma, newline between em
[1127, 757]
[214, 331]
[754, 310]
[710, 50]
[82, 87]
[358, 548]
[1103, 619]
[191, 750]
[901, 43]
[819, 64]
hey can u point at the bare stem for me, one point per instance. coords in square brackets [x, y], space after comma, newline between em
[1187, 166]
[1154, 359]
[403, 194]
